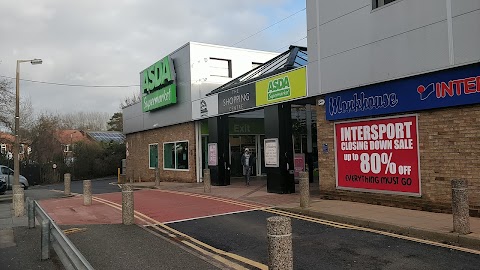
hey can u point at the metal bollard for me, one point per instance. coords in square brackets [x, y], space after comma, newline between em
[157, 177]
[87, 192]
[67, 179]
[279, 234]
[304, 189]
[31, 213]
[460, 208]
[128, 217]
[207, 184]
[45, 240]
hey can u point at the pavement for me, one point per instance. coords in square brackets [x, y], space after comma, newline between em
[20, 246]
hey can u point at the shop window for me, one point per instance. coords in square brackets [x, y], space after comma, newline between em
[175, 155]
[153, 155]
[220, 67]
[67, 148]
[380, 3]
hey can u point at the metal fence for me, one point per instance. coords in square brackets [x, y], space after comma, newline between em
[53, 236]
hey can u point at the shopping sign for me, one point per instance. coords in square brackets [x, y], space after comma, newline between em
[445, 88]
[379, 155]
[158, 85]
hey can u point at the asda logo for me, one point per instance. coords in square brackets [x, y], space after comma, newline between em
[278, 88]
[158, 75]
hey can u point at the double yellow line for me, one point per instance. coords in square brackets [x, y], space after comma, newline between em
[329, 223]
[189, 241]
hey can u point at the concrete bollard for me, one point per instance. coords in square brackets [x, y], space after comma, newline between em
[460, 208]
[87, 192]
[279, 234]
[67, 180]
[128, 217]
[157, 177]
[45, 240]
[207, 184]
[31, 213]
[304, 189]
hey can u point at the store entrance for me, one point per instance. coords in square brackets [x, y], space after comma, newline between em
[254, 143]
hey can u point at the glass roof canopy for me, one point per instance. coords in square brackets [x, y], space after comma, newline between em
[107, 136]
[295, 57]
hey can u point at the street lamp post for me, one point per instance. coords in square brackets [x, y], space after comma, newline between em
[18, 194]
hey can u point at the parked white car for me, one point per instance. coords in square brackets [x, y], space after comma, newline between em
[6, 174]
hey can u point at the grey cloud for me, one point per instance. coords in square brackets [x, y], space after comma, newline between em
[108, 42]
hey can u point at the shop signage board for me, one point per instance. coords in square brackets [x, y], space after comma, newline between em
[240, 126]
[158, 85]
[212, 154]
[160, 98]
[271, 153]
[378, 155]
[237, 99]
[282, 87]
[446, 88]
[205, 107]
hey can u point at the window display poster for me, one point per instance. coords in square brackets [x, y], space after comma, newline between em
[212, 154]
[378, 155]
[271, 152]
[299, 163]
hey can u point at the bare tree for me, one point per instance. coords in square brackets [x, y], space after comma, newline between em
[43, 140]
[84, 120]
[128, 101]
[7, 109]
[7, 103]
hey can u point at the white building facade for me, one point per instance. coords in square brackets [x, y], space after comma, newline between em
[399, 86]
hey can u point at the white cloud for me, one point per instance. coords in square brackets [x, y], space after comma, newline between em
[108, 42]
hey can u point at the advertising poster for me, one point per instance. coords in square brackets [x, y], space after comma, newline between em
[299, 163]
[271, 153]
[378, 155]
[212, 154]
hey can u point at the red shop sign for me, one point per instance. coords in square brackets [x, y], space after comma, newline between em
[378, 155]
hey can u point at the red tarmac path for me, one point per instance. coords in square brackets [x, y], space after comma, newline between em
[162, 206]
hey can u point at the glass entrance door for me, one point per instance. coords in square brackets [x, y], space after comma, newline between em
[260, 160]
[237, 147]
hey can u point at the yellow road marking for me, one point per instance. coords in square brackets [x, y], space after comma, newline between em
[74, 230]
[293, 215]
[353, 227]
[231, 201]
[170, 230]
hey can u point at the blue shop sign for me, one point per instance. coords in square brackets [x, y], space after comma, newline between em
[446, 88]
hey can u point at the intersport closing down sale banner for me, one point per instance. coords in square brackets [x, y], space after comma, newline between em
[378, 155]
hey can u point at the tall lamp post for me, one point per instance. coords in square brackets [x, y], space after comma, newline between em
[18, 194]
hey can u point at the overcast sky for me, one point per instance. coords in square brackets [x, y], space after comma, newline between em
[108, 42]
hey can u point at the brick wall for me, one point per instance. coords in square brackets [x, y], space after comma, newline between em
[449, 141]
[138, 153]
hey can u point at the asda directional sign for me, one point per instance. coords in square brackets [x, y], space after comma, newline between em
[158, 85]
[285, 86]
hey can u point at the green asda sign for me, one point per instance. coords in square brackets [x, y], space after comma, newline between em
[159, 84]
[160, 98]
[278, 88]
[282, 87]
